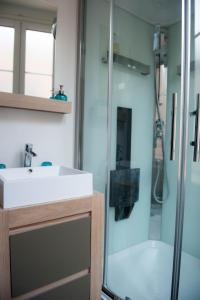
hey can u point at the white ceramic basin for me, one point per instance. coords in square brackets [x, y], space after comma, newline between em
[29, 186]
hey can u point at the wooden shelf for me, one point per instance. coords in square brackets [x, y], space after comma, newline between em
[34, 103]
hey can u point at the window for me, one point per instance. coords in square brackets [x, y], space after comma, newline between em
[7, 37]
[38, 63]
[28, 55]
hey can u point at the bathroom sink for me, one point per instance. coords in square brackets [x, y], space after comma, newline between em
[29, 186]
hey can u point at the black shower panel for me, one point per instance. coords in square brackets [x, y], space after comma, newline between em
[124, 191]
[124, 181]
[124, 130]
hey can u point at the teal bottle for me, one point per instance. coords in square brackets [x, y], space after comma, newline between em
[61, 95]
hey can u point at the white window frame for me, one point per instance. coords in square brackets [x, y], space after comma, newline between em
[16, 62]
[19, 49]
[35, 27]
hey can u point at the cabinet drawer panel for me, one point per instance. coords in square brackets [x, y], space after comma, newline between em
[48, 254]
[75, 290]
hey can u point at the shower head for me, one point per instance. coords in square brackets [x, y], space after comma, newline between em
[156, 38]
[160, 43]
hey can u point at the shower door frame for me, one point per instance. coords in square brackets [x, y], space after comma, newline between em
[183, 139]
[183, 145]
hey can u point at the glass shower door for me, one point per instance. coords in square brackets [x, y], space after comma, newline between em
[95, 114]
[131, 134]
[145, 114]
[190, 259]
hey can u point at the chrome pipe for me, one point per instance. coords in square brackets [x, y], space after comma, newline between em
[183, 145]
[109, 136]
[78, 148]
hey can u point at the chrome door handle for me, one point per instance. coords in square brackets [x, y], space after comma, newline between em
[196, 142]
[173, 127]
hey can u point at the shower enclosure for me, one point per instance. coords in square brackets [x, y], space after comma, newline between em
[138, 132]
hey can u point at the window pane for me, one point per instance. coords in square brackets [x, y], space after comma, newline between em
[6, 81]
[7, 36]
[38, 85]
[39, 52]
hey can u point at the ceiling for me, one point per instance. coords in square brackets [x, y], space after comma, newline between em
[38, 4]
[163, 12]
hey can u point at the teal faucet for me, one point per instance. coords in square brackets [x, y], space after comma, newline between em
[2, 166]
[46, 164]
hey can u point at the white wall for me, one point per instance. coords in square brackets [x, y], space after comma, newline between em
[51, 134]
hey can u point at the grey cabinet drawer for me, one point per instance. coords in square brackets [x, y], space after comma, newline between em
[42, 256]
[75, 290]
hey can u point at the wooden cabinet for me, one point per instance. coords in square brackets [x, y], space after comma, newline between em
[76, 290]
[42, 256]
[52, 251]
